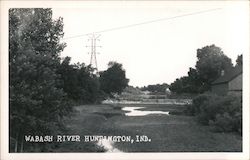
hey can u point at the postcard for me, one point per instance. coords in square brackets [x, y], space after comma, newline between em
[124, 80]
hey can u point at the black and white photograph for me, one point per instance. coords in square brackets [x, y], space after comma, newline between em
[125, 78]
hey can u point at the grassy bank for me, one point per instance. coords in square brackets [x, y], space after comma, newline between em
[168, 133]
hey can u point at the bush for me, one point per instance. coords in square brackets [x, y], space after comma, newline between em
[223, 113]
[198, 101]
[222, 122]
[231, 119]
[208, 110]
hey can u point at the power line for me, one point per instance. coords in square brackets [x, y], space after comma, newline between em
[143, 23]
[93, 60]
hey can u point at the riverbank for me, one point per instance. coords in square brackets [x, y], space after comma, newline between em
[167, 132]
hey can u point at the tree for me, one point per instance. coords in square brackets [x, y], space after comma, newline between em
[186, 84]
[211, 61]
[37, 103]
[182, 85]
[193, 81]
[113, 80]
[177, 86]
[156, 88]
[78, 82]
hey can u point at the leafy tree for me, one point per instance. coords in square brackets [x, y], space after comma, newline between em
[113, 80]
[211, 61]
[79, 83]
[157, 88]
[69, 78]
[182, 85]
[177, 86]
[37, 104]
[193, 81]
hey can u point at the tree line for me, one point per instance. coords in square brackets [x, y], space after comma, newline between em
[156, 88]
[211, 61]
[43, 87]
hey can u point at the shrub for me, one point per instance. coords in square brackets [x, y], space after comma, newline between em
[209, 109]
[223, 113]
[231, 119]
[198, 101]
[223, 122]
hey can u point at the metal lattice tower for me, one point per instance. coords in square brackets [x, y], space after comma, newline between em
[93, 60]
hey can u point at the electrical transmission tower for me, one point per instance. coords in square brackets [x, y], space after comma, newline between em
[93, 60]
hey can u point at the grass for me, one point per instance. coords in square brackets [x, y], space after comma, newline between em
[168, 133]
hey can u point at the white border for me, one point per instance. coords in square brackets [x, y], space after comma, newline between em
[5, 5]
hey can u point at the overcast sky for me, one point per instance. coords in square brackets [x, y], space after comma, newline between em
[157, 52]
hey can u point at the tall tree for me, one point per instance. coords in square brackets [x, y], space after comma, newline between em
[79, 82]
[113, 80]
[36, 102]
[211, 61]
[177, 86]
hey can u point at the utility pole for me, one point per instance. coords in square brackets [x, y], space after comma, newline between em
[93, 60]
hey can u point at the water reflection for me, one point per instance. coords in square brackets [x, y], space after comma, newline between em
[133, 111]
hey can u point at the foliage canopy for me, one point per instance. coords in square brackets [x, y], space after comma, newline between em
[113, 80]
[211, 61]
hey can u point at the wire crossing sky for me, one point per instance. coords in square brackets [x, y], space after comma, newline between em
[143, 23]
[155, 41]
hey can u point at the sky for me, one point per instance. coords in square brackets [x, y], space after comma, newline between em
[157, 52]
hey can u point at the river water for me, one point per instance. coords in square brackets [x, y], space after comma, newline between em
[131, 111]
[134, 111]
